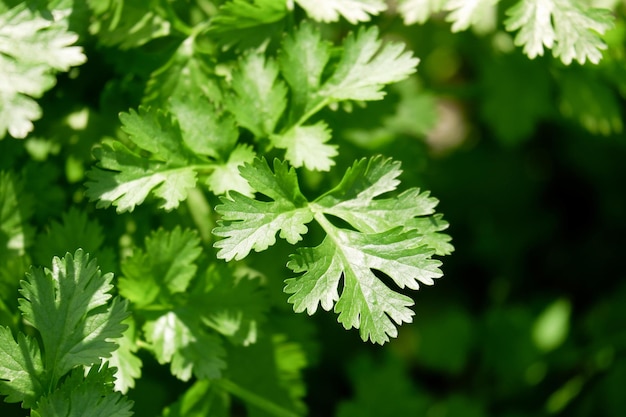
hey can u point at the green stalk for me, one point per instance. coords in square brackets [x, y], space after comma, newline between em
[254, 399]
[201, 213]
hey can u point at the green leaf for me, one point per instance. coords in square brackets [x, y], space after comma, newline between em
[364, 69]
[394, 236]
[480, 14]
[124, 179]
[562, 25]
[155, 132]
[188, 72]
[124, 360]
[16, 209]
[248, 23]
[202, 399]
[225, 176]
[258, 97]
[166, 267]
[354, 11]
[270, 370]
[577, 33]
[419, 11]
[430, 229]
[365, 303]
[178, 338]
[74, 231]
[234, 306]
[248, 224]
[291, 360]
[128, 23]
[34, 44]
[204, 129]
[415, 115]
[21, 368]
[81, 396]
[306, 146]
[366, 66]
[302, 59]
[533, 18]
[13, 267]
[73, 310]
[354, 201]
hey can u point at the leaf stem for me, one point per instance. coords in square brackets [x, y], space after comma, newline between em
[255, 399]
[177, 23]
[318, 215]
[306, 116]
[201, 213]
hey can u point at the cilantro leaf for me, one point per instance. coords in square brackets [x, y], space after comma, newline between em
[239, 14]
[21, 368]
[155, 132]
[79, 396]
[394, 236]
[533, 18]
[247, 23]
[155, 280]
[127, 24]
[74, 312]
[166, 267]
[203, 398]
[354, 11]
[124, 360]
[124, 178]
[234, 306]
[418, 11]
[258, 97]
[32, 49]
[225, 176]
[211, 132]
[278, 379]
[365, 303]
[74, 231]
[563, 25]
[178, 338]
[16, 209]
[302, 59]
[366, 66]
[577, 34]
[248, 224]
[188, 72]
[205, 130]
[478, 13]
[306, 146]
[429, 228]
[353, 199]
[415, 115]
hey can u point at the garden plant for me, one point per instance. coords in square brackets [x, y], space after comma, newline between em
[312, 207]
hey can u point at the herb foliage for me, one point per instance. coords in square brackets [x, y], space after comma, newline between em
[179, 178]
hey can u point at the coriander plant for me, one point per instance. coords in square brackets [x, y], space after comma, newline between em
[153, 151]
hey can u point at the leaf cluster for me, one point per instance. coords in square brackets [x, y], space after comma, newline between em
[77, 320]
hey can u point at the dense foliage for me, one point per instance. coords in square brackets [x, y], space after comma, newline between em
[180, 178]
